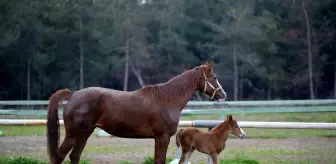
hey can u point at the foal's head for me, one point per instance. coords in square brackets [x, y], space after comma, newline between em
[208, 82]
[234, 128]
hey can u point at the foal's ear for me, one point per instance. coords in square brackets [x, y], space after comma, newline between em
[229, 117]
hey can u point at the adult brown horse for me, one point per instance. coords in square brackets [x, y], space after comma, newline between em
[150, 112]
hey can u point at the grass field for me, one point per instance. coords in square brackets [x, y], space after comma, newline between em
[264, 151]
[147, 160]
[264, 146]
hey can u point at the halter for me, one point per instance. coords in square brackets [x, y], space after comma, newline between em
[207, 82]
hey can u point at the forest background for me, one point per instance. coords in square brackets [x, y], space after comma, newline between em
[262, 49]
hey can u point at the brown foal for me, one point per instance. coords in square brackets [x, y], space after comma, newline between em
[211, 143]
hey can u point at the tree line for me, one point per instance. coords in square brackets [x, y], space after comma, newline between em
[262, 49]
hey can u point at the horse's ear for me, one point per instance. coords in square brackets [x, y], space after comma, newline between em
[206, 63]
[211, 63]
[202, 67]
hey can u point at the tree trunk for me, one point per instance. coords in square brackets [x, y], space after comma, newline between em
[28, 79]
[335, 82]
[310, 64]
[81, 49]
[269, 92]
[241, 86]
[138, 75]
[29, 65]
[126, 65]
[235, 73]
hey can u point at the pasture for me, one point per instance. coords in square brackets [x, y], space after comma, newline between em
[264, 146]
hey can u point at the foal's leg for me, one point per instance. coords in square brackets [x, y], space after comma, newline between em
[189, 155]
[79, 147]
[186, 154]
[214, 157]
[183, 156]
[65, 147]
[161, 146]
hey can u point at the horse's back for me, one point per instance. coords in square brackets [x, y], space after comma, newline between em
[87, 98]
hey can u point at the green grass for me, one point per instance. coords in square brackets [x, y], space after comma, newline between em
[238, 161]
[231, 155]
[147, 160]
[279, 155]
[150, 160]
[261, 155]
[276, 117]
[26, 160]
[252, 132]
[287, 133]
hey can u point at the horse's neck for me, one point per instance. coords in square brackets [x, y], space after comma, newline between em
[178, 91]
[222, 132]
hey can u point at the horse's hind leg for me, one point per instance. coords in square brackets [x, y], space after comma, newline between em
[65, 147]
[79, 147]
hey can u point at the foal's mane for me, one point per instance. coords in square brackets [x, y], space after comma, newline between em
[219, 125]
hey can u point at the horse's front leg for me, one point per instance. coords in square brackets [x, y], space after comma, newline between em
[161, 146]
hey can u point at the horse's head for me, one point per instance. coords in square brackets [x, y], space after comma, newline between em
[208, 82]
[234, 128]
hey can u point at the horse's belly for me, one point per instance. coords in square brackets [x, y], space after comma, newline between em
[127, 131]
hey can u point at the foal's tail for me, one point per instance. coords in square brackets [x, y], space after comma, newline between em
[177, 140]
[53, 131]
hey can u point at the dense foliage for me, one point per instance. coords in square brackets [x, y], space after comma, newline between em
[263, 49]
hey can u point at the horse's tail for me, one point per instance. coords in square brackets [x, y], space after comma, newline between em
[53, 131]
[177, 140]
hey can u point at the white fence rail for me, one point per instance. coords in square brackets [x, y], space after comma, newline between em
[202, 123]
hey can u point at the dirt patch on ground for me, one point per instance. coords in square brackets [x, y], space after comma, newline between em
[113, 150]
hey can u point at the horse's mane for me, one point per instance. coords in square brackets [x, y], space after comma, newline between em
[171, 88]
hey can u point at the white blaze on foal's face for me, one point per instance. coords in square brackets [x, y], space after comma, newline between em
[235, 129]
[242, 133]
